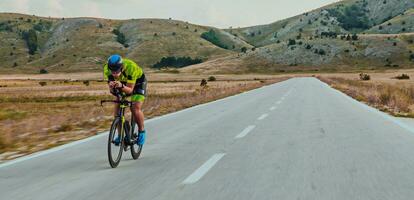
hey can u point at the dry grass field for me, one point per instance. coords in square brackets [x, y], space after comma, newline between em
[66, 108]
[383, 91]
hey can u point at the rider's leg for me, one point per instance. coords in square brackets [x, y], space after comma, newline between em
[116, 108]
[138, 115]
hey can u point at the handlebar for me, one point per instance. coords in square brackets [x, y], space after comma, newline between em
[125, 102]
[122, 100]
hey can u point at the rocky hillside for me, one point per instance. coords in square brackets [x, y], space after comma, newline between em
[347, 34]
[30, 43]
[344, 17]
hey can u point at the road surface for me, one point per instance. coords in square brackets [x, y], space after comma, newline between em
[298, 139]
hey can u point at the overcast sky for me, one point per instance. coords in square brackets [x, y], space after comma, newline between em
[218, 13]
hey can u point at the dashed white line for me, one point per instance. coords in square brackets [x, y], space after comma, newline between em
[273, 108]
[262, 116]
[245, 131]
[201, 171]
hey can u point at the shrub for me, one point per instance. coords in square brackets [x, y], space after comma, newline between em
[212, 78]
[402, 77]
[364, 77]
[203, 83]
[43, 71]
[120, 37]
[354, 36]
[31, 40]
[42, 26]
[412, 57]
[291, 42]
[176, 62]
[15, 64]
[42, 83]
[243, 49]
[5, 27]
[212, 37]
[351, 17]
[321, 52]
[86, 83]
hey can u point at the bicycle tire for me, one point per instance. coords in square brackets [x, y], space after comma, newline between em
[135, 148]
[112, 133]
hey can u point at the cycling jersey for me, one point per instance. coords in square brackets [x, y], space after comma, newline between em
[131, 73]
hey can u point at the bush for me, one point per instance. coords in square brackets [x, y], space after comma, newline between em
[176, 62]
[120, 37]
[42, 83]
[42, 26]
[86, 83]
[354, 36]
[351, 17]
[203, 83]
[364, 77]
[43, 71]
[403, 77]
[212, 37]
[5, 27]
[212, 78]
[321, 52]
[31, 40]
[291, 42]
[243, 49]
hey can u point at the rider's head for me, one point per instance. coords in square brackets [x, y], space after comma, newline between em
[115, 64]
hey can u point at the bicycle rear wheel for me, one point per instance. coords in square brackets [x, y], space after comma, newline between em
[115, 150]
[135, 148]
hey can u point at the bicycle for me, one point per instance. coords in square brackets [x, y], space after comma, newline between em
[121, 128]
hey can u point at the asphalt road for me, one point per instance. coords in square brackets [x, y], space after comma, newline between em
[298, 139]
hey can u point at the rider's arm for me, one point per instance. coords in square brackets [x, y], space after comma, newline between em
[128, 88]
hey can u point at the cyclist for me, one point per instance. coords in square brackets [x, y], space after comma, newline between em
[127, 77]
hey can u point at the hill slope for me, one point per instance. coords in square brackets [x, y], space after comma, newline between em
[82, 44]
[347, 34]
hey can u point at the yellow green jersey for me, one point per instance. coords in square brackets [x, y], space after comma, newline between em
[130, 72]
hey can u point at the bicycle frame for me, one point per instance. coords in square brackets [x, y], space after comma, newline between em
[123, 104]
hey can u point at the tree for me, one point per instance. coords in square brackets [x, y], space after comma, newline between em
[291, 42]
[212, 37]
[354, 36]
[31, 40]
[244, 49]
[212, 78]
[176, 62]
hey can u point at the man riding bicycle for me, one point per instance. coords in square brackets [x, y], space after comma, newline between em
[127, 77]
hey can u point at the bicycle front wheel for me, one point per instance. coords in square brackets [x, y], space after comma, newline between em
[135, 148]
[115, 143]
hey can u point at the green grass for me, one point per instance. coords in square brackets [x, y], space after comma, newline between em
[12, 115]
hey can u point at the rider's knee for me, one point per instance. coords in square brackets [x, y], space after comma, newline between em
[137, 107]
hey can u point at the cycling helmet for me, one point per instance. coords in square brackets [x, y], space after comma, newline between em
[115, 62]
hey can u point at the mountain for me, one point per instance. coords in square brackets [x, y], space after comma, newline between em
[82, 44]
[349, 34]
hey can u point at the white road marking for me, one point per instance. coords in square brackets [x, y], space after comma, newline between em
[245, 131]
[273, 108]
[201, 171]
[262, 116]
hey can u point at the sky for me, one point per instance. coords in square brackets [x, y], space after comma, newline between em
[218, 13]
